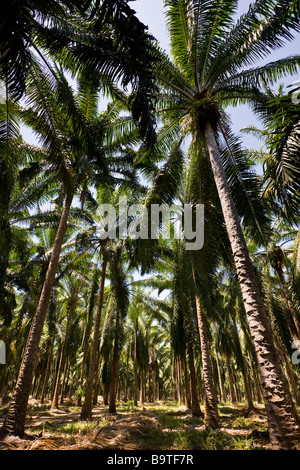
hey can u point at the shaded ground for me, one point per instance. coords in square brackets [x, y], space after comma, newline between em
[160, 426]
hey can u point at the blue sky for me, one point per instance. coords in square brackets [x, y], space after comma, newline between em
[151, 12]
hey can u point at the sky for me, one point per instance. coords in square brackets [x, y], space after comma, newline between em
[151, 12]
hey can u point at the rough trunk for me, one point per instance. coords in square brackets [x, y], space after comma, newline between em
[86, 411]
[244, 372]
[282, 417]
[49, 364]
[287, 296]
[221, 384]
[135, 370]
[142, 387]
[187, 383]
[115, 368]
[230, 381]
[14, 422]
[54, 404]
[196, 411]
[113, 385]
[211, 415]
[82, 371]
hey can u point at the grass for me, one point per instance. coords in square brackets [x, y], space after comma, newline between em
[191, 439]
[178, 430]
[169, 427]
[79, 427]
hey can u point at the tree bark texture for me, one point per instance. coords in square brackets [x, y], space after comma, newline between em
[14, 422]
[282, 417]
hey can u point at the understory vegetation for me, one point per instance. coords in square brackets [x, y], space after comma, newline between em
[156, 426]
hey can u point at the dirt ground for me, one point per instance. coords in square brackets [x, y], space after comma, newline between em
[155, 426]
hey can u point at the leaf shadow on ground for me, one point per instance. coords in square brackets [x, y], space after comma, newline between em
[151, 427]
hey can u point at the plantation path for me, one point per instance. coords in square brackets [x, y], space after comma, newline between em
[153, 427]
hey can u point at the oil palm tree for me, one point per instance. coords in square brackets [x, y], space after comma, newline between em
[282, 163]
[86, 410]
[92, 240]
[280, 154]
[70, 291]
[20, 22]
[24, 183]
[136, 319]
[99, 35]
[73, 144]
[210, 69]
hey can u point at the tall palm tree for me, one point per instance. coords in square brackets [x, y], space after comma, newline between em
[86, 410]
[71, 141]
[137, 321]
[210, 53]
[72, 288]
[120, 304]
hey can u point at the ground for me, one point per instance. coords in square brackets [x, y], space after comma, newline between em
[159, 426]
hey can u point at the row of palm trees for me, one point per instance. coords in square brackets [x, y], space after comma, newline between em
[161, 354]
[87, 157]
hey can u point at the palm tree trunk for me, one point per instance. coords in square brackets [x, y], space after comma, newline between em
[257, 389]
[289, 303]
[113, 385]
[211, 415]
[244, 372]
[114, 377]
[115, 367]
[126, 376]
[96, 381]
[282, 416]
[247, 391]
[135, 370]
[196, 411]
[62, 359]
[154, 384]
[64, 384]
[178, 381]
[187, 383]
[14, 422]
[105, 394]
[47, 375]
[86, 411]
[82, 371]
[221, 384]
[230, 381]
[142, 387]
[150, 386]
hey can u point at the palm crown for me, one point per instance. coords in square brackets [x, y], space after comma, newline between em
[214, 57]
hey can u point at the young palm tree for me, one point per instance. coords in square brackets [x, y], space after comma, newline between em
[208, 72]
